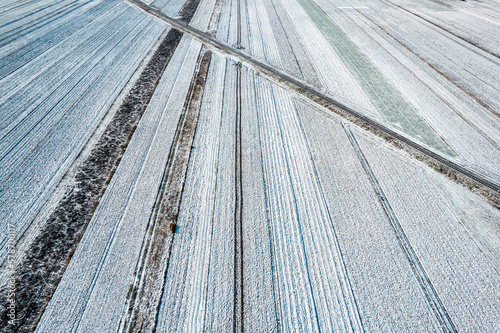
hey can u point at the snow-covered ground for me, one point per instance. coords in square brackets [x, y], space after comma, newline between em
[393, 66]
[291, 218]
[55, 104]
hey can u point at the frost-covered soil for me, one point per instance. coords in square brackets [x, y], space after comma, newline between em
[157, 186]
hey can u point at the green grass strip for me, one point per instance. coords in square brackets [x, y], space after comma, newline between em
[392, 105]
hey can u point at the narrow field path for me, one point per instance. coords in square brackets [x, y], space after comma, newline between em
[488, 187]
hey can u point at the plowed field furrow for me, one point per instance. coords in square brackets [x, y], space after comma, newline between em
[114, 224]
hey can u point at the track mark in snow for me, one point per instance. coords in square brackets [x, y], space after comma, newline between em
[238, 211]
[262, 312]
[421, 276]
[238, 319]
[432, 64]
[40, 270]
[314, 292]
[388, 99]
[490, 189]
[448, 31]
[26, 47]
[145, 298]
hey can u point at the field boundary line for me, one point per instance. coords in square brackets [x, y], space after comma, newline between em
[480, 184]
[418, 270]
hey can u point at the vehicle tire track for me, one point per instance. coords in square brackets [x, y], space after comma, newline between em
[250, 106]
[11, 34]
[238, 319]
[448, 31]
[417, 268]
[238, 227]
[27, 52]
[470, 94]
[146, 295]
[453, 108]
[476, 182]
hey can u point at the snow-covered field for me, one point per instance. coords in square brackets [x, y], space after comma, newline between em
[290, 216]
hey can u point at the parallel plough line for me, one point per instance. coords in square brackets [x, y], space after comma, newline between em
[144, 303]
[43, 264]
[417, 268]
[478, 183]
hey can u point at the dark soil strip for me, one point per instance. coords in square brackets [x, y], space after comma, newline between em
[477, 183]
[238, 216]
[146, 294]
[419, 272]
[187, 11]
[41, 269]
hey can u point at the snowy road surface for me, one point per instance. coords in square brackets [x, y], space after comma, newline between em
[159, 178]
